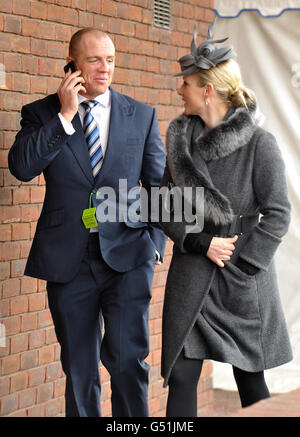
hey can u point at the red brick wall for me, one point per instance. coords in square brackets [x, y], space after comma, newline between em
[33, 46]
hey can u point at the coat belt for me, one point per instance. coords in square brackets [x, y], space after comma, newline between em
[239, 226]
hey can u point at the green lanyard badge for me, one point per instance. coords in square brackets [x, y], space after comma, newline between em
[88, 215]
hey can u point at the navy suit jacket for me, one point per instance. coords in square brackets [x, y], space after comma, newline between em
[134, 152]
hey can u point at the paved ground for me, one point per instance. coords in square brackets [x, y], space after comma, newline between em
[227, 404]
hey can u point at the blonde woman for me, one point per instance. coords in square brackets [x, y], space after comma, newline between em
[222, 300]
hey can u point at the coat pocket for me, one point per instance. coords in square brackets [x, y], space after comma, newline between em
[238, 292]
[50, 219]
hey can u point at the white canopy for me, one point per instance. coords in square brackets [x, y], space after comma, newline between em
[266, 8]
[269, 57]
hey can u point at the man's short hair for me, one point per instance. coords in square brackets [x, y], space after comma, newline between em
[75, 40]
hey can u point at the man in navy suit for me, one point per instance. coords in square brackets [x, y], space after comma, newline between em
[85, 138]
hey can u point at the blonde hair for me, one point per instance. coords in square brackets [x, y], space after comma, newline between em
[227, 81]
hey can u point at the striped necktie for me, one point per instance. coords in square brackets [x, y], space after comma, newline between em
[92, 136]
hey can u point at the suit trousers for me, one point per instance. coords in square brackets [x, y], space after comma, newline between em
[103, 315]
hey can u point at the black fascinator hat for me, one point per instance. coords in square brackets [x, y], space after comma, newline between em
[206, 56]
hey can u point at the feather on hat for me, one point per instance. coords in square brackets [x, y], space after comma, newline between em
[206, 56]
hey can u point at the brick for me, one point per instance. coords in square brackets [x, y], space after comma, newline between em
[28, 285]
[21, 195]
[60, 386]
[38, 84]
[45, 392]
[12, 62]
[10, 101]
[135, 13]
[4, 386]
[46, 355]
[122, 11]
[12, 24]
[18, 267]
[57, 351]
[36, 376]
[37, 302]
[6, 123]
[27, 398]
[29, 65]
[79, 4]
[18, 382]
[147, 16]
[5, 42]
[21, 82]
[29, 359]
[101, 22]
[11, 287]
[44, 318]
[51, 336]
[5, 196]
[19, 305]
[10, 364]
[4, 270]
[62, 33]
[36, 411]
[85, 19]
[93, 6]
[62, 15]
[38, 47]
[46, 30]
[20, 43]
[4, 310]
[9, 179]
[20, 231]
[25, 247]
[19, 343]
[47, 66]
[38, 10]
[54, 407]
[9, 404]
[21, 7]
[53, 371]
[37, 339]
[29, 213]
[57, 49]
[109, 8]
[32, 229]
[12, 325]
[6, 6]
[41, 284]
[29, 322]
[142, 31]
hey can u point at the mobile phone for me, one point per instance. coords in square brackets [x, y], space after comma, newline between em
[71, 65]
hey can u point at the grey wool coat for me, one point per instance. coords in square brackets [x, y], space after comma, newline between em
[219, 313]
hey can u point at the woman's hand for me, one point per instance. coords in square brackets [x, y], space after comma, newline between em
[221, 249]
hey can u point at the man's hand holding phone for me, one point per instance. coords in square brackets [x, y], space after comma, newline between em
[68, 90]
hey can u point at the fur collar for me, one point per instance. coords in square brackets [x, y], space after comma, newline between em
[186, 137]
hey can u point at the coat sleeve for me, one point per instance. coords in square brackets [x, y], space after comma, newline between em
[36, 144]
[271, 190]
[154, 160]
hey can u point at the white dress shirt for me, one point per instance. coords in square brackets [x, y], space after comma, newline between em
[101, 114]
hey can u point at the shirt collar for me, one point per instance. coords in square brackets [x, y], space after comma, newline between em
[103, 99]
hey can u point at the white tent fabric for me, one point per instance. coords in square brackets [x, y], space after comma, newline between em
[269, 57]
[266, 8]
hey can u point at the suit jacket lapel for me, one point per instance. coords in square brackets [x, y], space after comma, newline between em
[77, 144]
[121, 110]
